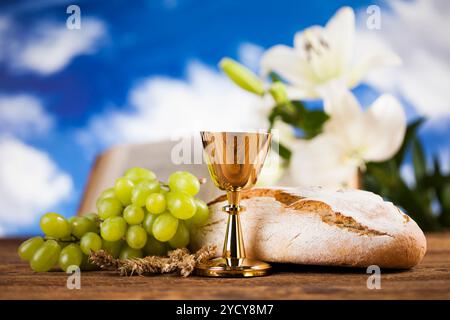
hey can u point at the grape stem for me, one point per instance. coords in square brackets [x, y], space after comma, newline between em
[164, 184]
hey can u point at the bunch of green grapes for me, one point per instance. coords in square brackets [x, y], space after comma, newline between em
[66, 243]
[139, 216]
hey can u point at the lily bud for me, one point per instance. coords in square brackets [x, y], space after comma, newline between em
[242, 76]
[278, 92]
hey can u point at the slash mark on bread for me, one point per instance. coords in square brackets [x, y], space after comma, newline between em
[335, 218]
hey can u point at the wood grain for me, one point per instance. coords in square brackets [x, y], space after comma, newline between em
[429, 280]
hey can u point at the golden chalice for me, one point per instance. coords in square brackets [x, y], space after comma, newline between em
[234, 161]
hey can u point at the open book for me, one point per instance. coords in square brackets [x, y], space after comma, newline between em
[112, 163]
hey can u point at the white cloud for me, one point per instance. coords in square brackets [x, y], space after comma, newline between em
[250, 55]
[23, 115]
[54, 46]
[49, 46]
[30, 183]
[160, 107]
[418, 32]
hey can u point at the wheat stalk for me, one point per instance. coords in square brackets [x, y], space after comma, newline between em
[180, 261]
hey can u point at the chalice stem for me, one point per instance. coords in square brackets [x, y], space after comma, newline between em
[234, 161]
[233, 248]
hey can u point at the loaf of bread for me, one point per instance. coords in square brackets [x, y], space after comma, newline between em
[315, 226]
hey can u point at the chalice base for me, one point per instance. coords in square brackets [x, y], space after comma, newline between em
[232, 267]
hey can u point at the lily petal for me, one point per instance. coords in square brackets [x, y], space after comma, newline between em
[287, 63]
[347, 118]
[314, 47]
[339, 102]
[385, 123]
[340, 31]
[321, 162]
[296, 93]
[371, 53]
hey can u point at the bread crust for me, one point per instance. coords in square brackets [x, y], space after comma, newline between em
[317, 226]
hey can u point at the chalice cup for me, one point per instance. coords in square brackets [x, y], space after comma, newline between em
[234, 161]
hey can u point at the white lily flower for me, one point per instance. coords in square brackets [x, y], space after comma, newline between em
[351, 137]
[321, 54]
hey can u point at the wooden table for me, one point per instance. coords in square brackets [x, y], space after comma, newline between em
[429, 280]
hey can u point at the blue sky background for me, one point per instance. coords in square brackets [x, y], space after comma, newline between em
[139, 40]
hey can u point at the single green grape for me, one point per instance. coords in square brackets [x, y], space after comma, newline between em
[156, 203]
[107, 193]
[92, 216]
[164, 227]
[112, 247]
[83, 225]
[201, 214]
[184, 181]
[181, 205]
[138, 174]
[55, 226]
[148, 222]
[46, 256]
[90, 242]
[109, 207]
[129, 253]
[136, 237]
[29, 247]
[133, 214]
[142, 190]
[154, 247]
[181, 237]
[70, 255]
[123, 188]
[113, 229]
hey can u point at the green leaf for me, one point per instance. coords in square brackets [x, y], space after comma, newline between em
[310, 122]
[437, 167]
[444, 217]
[275, 77]
[419, 162]
[283, 151]
[313, 123]
[410, 134]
